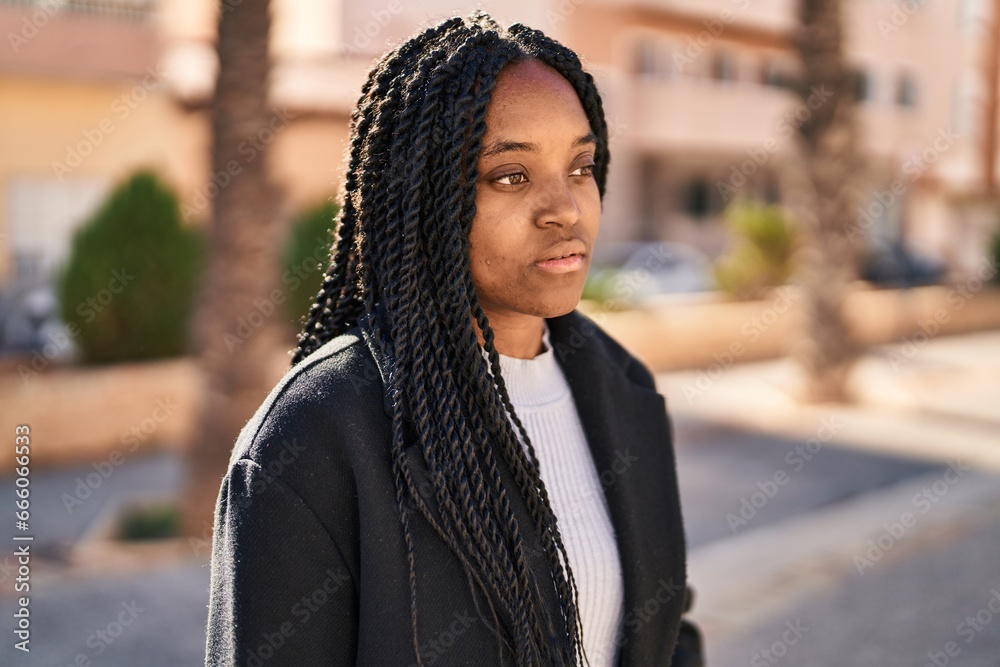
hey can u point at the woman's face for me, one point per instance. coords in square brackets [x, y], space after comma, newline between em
[538, 209]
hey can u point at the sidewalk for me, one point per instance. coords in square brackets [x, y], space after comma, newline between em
[935, 401]
[891, 576]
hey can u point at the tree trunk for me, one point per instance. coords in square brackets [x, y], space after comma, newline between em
[822, 193]
[235, 335]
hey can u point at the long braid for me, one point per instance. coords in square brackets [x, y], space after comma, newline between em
[339, 287]
[451, 423]
[527, 476]
[452, 306]
[401, 259]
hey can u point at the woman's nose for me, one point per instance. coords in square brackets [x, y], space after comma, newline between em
[557, 204]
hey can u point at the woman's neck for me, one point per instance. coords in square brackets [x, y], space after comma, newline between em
[518, 336]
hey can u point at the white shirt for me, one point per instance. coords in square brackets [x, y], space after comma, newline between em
[544, 404]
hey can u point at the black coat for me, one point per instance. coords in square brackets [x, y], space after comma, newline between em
[309, 565]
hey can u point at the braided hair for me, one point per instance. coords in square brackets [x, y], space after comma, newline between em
[400, 269]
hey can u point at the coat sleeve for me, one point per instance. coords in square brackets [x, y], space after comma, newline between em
[280, 590]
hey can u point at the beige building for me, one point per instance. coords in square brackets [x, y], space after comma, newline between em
[694, 92]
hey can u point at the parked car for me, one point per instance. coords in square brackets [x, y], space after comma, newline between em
[893, 264]
[29, 322]
[637, 272]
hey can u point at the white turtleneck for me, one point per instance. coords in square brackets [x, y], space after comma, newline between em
[544, 404]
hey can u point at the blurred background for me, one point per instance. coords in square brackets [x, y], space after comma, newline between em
[800, 237]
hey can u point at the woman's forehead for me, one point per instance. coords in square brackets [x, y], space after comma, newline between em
[532, 94]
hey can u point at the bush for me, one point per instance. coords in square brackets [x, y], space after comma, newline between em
[149, 521]
[994, 256]
[306, 258]
[761, 256]
[130, 279]
[599, 286]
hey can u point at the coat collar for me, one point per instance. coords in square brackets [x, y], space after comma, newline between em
[630, 438]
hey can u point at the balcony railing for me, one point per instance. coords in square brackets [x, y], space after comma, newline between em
[128, 10]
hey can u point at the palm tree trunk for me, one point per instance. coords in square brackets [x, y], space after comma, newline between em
[235, 331]
[822, 195]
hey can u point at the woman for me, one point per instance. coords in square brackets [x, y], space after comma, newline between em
[459, 468]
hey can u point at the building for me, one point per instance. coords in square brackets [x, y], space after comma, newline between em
[695, 94]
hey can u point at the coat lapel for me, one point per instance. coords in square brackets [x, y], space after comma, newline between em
[630, 437]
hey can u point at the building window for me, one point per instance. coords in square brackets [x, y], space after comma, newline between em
[906, 91]
[776, 75]
[44, 213]
[723, 67]
[864, 85]
[699, 199]
[645, 57]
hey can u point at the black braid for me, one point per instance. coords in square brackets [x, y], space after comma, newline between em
[401, 258]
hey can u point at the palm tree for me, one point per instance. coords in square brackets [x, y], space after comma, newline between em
[822, 194]
[234, 329]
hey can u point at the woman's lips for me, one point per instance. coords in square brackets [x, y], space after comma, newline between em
[562, 265]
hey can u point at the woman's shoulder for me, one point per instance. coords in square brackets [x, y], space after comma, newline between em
[305, 423]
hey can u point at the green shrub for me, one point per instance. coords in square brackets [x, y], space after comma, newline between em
[150, 521]
[994, 255]
[127, 288]
[599, 286]
[306, 257]
[761, 256]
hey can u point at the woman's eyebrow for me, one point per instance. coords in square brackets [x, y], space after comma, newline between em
[501, 146]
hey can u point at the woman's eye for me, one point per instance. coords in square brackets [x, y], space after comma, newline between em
[515, 178]
[585, 170]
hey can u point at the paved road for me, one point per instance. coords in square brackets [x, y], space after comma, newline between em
[733, 481]
[932, 597]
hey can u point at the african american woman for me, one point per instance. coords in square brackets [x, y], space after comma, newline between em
[459, 468]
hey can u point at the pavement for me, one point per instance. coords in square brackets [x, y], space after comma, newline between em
[828, 535]
[903, 571]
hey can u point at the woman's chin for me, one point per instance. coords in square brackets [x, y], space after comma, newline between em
[560, 306]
